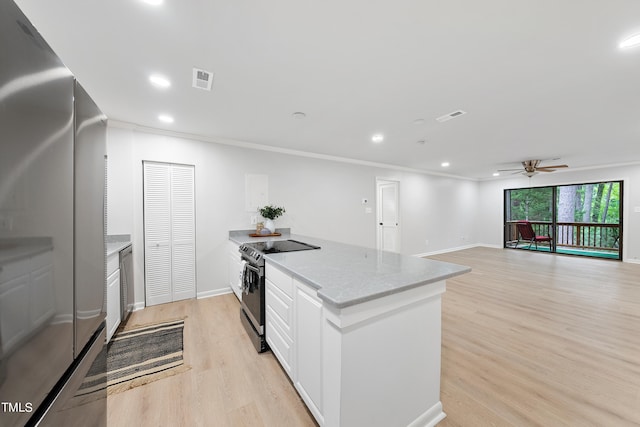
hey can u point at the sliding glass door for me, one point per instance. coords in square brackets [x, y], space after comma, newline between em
[581, 219]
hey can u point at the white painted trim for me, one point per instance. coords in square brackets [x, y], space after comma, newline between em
[353, 316]
[138, 306]
[429, 418]
[487, 245]
[457, 248]
[214, 293]
[254, 146]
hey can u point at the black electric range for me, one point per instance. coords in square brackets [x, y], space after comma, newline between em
[276, 246]
[252, 312]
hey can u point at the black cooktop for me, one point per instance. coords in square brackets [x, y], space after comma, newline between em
[277, 246]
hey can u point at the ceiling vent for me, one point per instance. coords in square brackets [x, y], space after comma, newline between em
[202, 79]
[450, 116]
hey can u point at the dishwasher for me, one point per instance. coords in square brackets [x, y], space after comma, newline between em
[126, 283]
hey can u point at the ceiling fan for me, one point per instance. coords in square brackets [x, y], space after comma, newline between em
[532, 167]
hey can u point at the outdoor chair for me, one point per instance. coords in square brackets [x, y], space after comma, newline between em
[526, 232]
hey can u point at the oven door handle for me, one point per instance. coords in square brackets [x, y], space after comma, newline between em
[252, 268]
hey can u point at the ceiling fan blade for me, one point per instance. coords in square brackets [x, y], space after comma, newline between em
[508, 170]
[545, 170]
[552, 167]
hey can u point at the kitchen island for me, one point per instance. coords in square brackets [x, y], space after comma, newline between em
[358, 331]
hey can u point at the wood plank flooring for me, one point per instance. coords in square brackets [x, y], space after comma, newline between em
[230, 384]
[532, 339]
[529, 339]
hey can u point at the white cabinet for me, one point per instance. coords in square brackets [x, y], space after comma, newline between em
[26, 297]
[235, 269]
[113, 294]
[308, 321]
[294, 334]
[279, 316]
[337, 364]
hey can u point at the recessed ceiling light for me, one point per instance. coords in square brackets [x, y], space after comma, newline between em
[159, 81]
[165, 118]
[445, 164]
[377, 138]
[153, 2]
[496, 174]
[299, 115]
[630, 42]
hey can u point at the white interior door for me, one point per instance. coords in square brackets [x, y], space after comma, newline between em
[169, 232]
[183, 247]
[388, 233]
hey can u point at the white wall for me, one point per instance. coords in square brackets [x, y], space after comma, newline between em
[323, 199]
[491, 202]
[119, 181]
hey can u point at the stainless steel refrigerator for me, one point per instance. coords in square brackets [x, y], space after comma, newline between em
[52, 228]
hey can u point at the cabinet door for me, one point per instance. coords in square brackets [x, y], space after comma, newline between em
[113, 303]
[308, 344]
[235, 270]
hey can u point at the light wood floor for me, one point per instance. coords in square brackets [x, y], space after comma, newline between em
[528, 340]
[532, 339]
[230, 384]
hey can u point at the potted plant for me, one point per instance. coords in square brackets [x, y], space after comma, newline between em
[270, 213]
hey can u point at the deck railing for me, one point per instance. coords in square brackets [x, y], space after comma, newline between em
[574, 235]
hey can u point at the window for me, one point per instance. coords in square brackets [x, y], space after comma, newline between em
[580, 219]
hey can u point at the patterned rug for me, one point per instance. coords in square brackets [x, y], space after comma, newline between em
[138, 356]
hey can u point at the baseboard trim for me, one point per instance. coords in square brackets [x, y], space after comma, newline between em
[214, 293]
[444, 251]
[430, 418]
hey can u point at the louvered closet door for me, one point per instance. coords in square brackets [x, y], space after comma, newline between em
[169, 230]
[183, 248]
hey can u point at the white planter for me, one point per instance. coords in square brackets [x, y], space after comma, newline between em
[268, 224]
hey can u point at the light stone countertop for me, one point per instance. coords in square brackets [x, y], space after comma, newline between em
[117, 242]
[346, 275]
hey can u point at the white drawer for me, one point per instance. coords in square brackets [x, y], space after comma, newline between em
[281, 305]
[113, 263]
[279, 278]
[280, 344]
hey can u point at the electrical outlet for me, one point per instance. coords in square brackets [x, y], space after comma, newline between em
[426, 242]
[254, 219]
